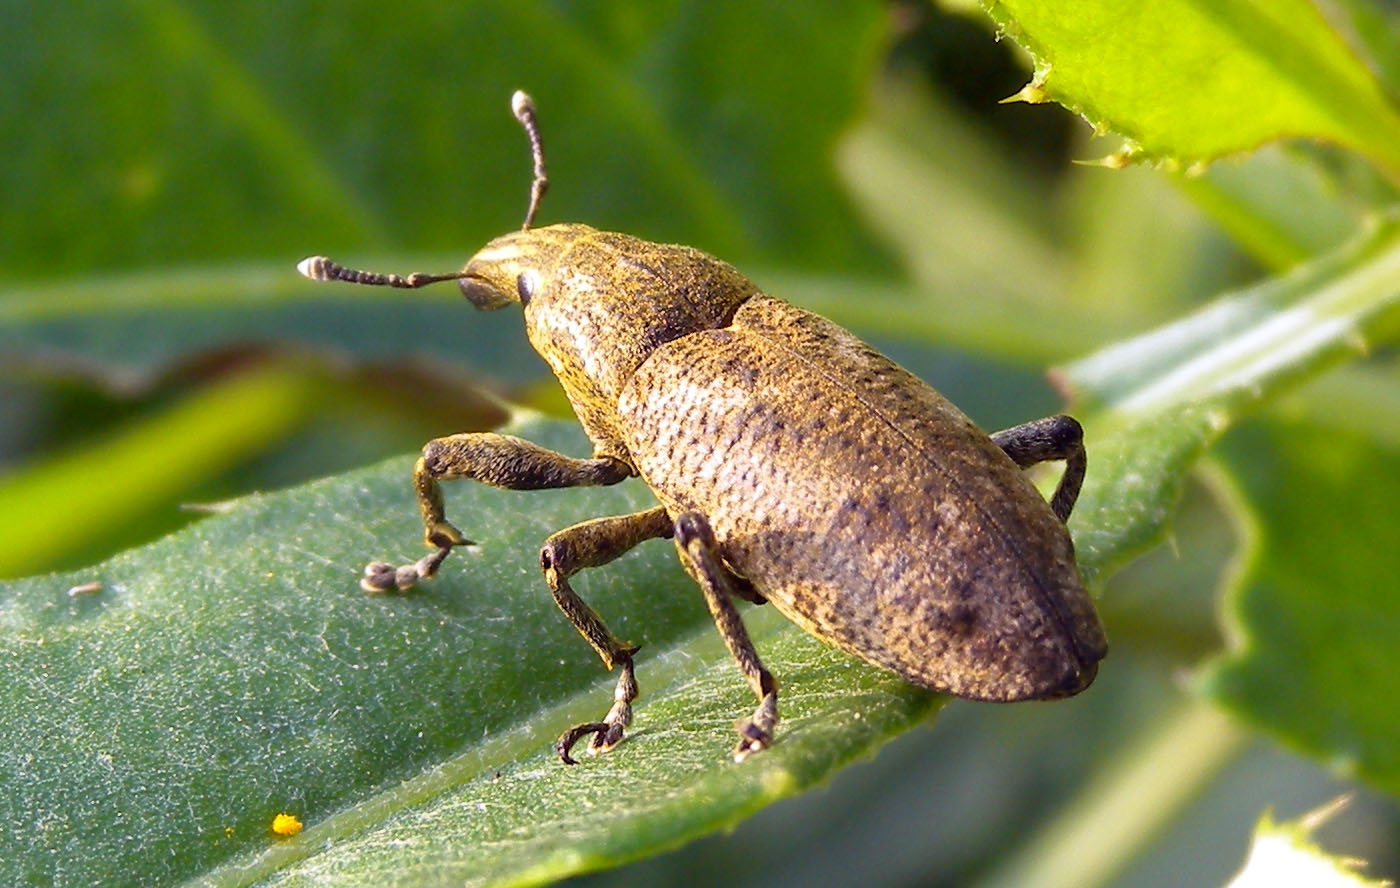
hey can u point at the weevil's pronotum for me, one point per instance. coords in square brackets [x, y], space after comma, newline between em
[792, 462]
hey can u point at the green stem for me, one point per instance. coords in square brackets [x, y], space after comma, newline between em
[1117, 814]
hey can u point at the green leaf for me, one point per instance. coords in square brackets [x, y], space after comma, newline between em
[1277, 204]
[965, 219]
[170, 133]
[1313, 616]
[149, 463]
[961, 216]
[1372, 25]
[1193, 81]
[1287, 853]
[233, 671]
[1163, 397]
[180, 158]
[538, 821]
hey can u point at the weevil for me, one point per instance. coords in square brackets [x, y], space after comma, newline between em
[792, 463]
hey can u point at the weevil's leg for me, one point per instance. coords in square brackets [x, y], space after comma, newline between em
[700, 556]
[1054, 437]
[564, 554]
[498, 460]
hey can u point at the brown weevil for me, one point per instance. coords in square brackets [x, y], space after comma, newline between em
[792, 462]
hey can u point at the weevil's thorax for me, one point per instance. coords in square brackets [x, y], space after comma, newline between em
[599, 303]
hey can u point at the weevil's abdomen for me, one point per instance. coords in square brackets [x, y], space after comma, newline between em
[866, 508]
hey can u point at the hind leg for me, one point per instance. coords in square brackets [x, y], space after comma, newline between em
[700, 555]
[1055, 437]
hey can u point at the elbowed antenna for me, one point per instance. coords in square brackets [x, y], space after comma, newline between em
[319, 268]
[523, 107]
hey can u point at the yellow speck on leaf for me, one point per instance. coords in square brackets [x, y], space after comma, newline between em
[286, 825]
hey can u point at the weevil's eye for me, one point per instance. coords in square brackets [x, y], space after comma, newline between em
[526, 285]
[482, 294]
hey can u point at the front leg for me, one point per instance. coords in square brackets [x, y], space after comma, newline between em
[1055, 437]
[499, 460]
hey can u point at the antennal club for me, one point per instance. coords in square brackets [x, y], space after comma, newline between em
[524, 109]
[319, 268]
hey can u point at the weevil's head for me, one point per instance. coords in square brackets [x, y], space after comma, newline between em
[598, 303]
[511, 267]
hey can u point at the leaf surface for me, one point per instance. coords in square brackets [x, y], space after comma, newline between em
[232, 671]
[1314, 616]
[1194, 80]
[1163, 397]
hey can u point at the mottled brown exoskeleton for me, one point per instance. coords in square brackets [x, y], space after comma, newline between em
[793, 463]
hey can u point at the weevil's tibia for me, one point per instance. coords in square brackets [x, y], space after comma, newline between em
[695, 541]
[591, 544]
[319, 268]
[523, 107]
[499, 460]
[1051, 438]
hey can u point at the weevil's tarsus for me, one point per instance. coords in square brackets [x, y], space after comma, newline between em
[523, 107]
[378, 577]
[756, 731]
[1051, 438]
[608, 732]
[319, 268]
[381, 577]
[563, 747]
[592, 544]
[699, 553]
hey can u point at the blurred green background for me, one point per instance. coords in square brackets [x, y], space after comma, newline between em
[167, 164]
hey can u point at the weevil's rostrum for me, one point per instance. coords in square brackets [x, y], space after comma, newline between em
[792, 463]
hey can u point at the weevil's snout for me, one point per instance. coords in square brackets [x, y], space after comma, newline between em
[489, 283]
[508, 269]
[483, 293]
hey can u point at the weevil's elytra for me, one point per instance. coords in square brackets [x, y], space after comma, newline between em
[792, 463]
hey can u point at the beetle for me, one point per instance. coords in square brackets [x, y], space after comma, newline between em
[792, 464]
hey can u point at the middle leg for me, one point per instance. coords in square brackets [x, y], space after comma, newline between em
[591, 544]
